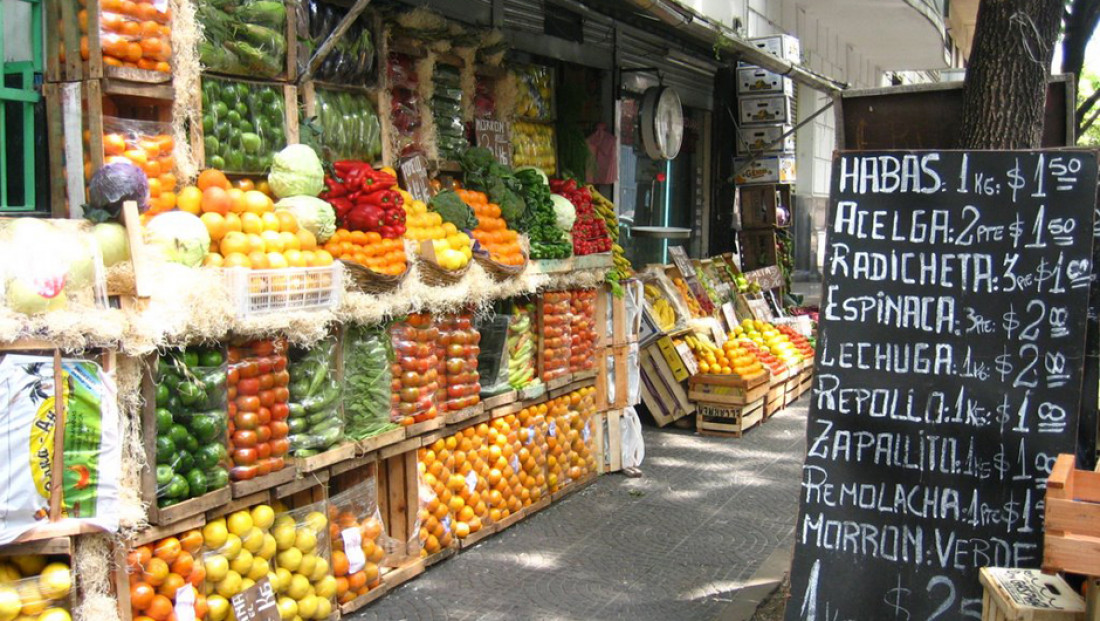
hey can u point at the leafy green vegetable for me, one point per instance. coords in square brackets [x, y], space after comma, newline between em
[367, 357]
[499, 182]
[451, 208]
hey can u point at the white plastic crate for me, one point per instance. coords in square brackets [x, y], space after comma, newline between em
[258, 292]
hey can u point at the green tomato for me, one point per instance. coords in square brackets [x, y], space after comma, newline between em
[216, 162]
[166, 449]
[269, 95]
[189, 392]
[234, 117]
[250, 142]
[164, 475]
[253, 163]
[164, 420]
[211, 358]
[190, 444]
[197, 482]
[221, 110]
[212, 146]
[178, 435]
[183, 461]
[246, 126]
[206, 426]
[191, 358]
[234, 161]
[163, 394]
[219, 478]
[207, 457]
[241, 108]
[177, 487]
[207, 123]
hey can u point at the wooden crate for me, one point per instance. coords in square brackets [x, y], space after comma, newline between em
[759, 248]
[728, 421]
[618, 319]
[775, 400]
[1028, 595]
[758, 204]
[1071, 541]
[63, 33]
[609, 438]
[612, 377]
[664, 396]
[399, 501]
[290, 117]
[728, 389]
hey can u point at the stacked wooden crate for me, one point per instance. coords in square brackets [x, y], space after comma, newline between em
[618, 377]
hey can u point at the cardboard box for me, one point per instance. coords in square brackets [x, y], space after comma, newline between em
[781, 45]
[765, 109]
[764, 169]
[757, 139]
[757, 81]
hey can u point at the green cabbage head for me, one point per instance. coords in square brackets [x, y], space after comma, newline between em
[313, 214]
[296, 171]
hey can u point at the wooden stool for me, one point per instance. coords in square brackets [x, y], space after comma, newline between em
[1028, 595]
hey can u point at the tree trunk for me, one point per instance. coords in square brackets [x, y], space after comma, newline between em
[1006, 79]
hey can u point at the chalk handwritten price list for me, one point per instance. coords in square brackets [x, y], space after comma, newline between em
[948, 376]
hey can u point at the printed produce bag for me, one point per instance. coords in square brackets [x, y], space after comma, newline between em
[243, 124]
[358, 540]
[135, 35]
[316, 420]
[367, 382]
[167, 577]
[435, 532]
[529, 456]
[35, 587]
[49, 265]
[522, 347]
[258, 408]
[556, 321]
[92, 451]
[311, 587]
[457, 351]
[415, 369]
[191, 424]
[245, 38]
[238, 550]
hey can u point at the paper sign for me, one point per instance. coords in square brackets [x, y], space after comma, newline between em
[353, 549]
[185, 603]
[256, 603]
[471, 481]
[495, 136]
[414, 177]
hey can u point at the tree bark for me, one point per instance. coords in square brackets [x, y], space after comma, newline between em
[1006, 79]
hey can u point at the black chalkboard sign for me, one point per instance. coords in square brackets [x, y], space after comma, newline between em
[948, 376]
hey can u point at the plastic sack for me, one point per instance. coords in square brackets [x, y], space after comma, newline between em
[246, 38]
[239, 549]
[92, 451]
[347, 127]
[258, 392]
[446, 106]
[529, 460]
[457, 351]
[311, 583]
[582, 330]
[191, 422]
[151, 593]
[492, 360]
[414, 370]
[358, 539]
[522, 346]
[367, 382]
[149, 145]
[535, 99]
[506, 486]
[633, 444]
[404, 112]
[533, 145]
[50, 265]
[351, 61]
[243, 124]
[557, 449]
[485, 104]
[36, 587]
[469, 480]
[316, 421]
[633, 375]
[555, 322]
[133, 36]
[433, 516]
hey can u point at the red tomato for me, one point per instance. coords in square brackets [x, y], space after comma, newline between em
[263, 467]
[282, 378]
[248, 404]
[249, 386]
[245, 438]
[263, 450]
[264, 415]
[267, 363]
[243, 473]
[232, 408]
[244, 456]
[280, 363]
[247, 421]
[233, 355]
[263, 433]
[263, 348]
[278, 463]
[233, 376]
[282, 394]
[279, 430]
[267, 398]
[267, 381]
[279, 447]
[248, 368]
[232, 393]
[280, 412]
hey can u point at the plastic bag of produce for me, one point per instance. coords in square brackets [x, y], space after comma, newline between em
[258, 408]
[522, 346]
[535, 99]
[239, 549]
[557, 447]
[580, 433]
[367, 381]
[469, 480]
[582, 330]
[149, 145]
[316, 421]
[191, 423]
[555, 323]
[91, 450]
[49, 265]
[351, 61]
[457, 349]
[506, 486]
[36, 587]
[167, 575]
[492, 360]
[404, 104]
[358, 540]
[140, 39]
[435, 522]
[245, 38]
[415, 369]
[529, 457]
[347, 127]
[311, 584]
[243, 124]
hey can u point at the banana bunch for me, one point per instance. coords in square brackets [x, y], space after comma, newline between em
[665, 315]
[605, 209]
[521, 352]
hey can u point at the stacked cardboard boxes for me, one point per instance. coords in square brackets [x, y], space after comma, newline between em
[765, 113]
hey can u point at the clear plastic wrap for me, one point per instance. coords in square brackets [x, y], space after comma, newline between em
[434, 517]
[492, 360]
[243, 123]
[506, 486]
[530, 459]
[367, 381]
[580, 434]
[582, 330]
[149, 145]
[457, 350]
[469, 480]
[258, 408]
[137, 35]
[485, 104]
[555, 323]
[191, 424]
[358, 540]
[557, 449]
[308, 579]
[167, 576]
[404, 112]
[535, 99]
[316, 421]
[48, 265]
[239, 549]
[522, 346]
[415, 370]
[243, 38]
[533, 145]
[36, 587]
[351, 61]
[347, 127]
[446, 104]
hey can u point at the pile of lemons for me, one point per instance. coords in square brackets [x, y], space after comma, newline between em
[34, 588]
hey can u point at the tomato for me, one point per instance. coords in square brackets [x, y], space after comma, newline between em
[248, 369]
[233, 376]
[233, 355]
[280, 412]
[263, 348]
[248, 404]
[279, 447]
[266, 364]
[232, 409]
[247, 421]
[248, 386]
[231, 392]
[410, 395]
[244, 456]
[263, 433]
[277, 462]
[243, 473]
[245, 438]
[280, 363]
[282, 378]
[279, 430]
[263, 450]
[282, 394]
[263, 467]
[267, 398]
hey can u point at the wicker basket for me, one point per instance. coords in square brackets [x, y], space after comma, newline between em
[432, 274]
[365, 280]
[499, 271]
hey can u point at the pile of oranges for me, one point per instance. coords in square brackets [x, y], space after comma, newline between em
[157, 572]
[382, 256]
[569, 443]
[359, 574]
[132, 34]
[436, 532]
[245, 230]
[492, 231]
[151, 152]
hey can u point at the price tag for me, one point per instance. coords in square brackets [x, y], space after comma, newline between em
[514, 463]
[256, 603]
[586, 433]
[530, 436]
[471, 481]
[185, 603]
[414, 177]
[353, 549]
[495, 136]
[552, 430]
[447, 523]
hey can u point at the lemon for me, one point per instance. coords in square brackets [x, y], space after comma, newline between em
[232, 546]
[29, 564]
[216, 567]
[253, 540]
[243, 563]
[324, 608]
[55, 614]
[33, 602]
[263, 517]
[247, 583]
[217, 608]
[307, 607]
[326, 587]
[288, 608]
[289, 559]
[282, 581]
[309, 561]
[320, 570]
[259, 568]
[269, 547]
[305, 540]
[55, 581]
[298, 589]
[214, 534]
[284, 535]
[10, 604]
[8, 573]
[239, 523]
[316, 520]
[229, 586]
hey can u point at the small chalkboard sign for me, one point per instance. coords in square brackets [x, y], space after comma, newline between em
[947, 378]
[256, 603]
[496, 136]
[414, 177]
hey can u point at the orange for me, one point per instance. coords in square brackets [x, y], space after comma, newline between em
[171, 584]
[246, 184]
[251, 223]
[273, 241]
[183, 565]
[309, 258]
[263, 188]
[167, 549]
[156, 570]
[210, 178]
[257, 202]
[359, 579]
[270, 221]
[276, 260]
[323, 258]
[234, 241]
[232, 222]
[287, 222]
[237, 259]
[236, 198]
[216, 199]
[256, 243]
[160, 608]
[339, 563]
[190, 200]
[215, 225]
[341, 586]
[294, 258]
[113, 144]
[141, 595]
[213, 259]
[258, 260]
[290, 241]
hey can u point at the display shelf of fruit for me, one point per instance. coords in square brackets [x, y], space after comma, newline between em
[371, 250]
[149, 145]
[801, 343]
[366, 199]
[306, 584]
[436, 532]
[258, 408]
[555, 321]
[191, 424]
[168, 577]
[243, 124]
[729, 359]
[358, 539]
[506, 479]
[137, 35]
[316, 421]
[535, 97]
[589, 231]
[775, 366]
[688, 297]
[492, 232]
[237, 550]
[661, 308]
[766, 335]
[605, 209]
[529, 459]
[582, 330]
[533, 145]
[451, 247]
[36, 587]
[522, 347]
[415, 369]
[457, 349]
